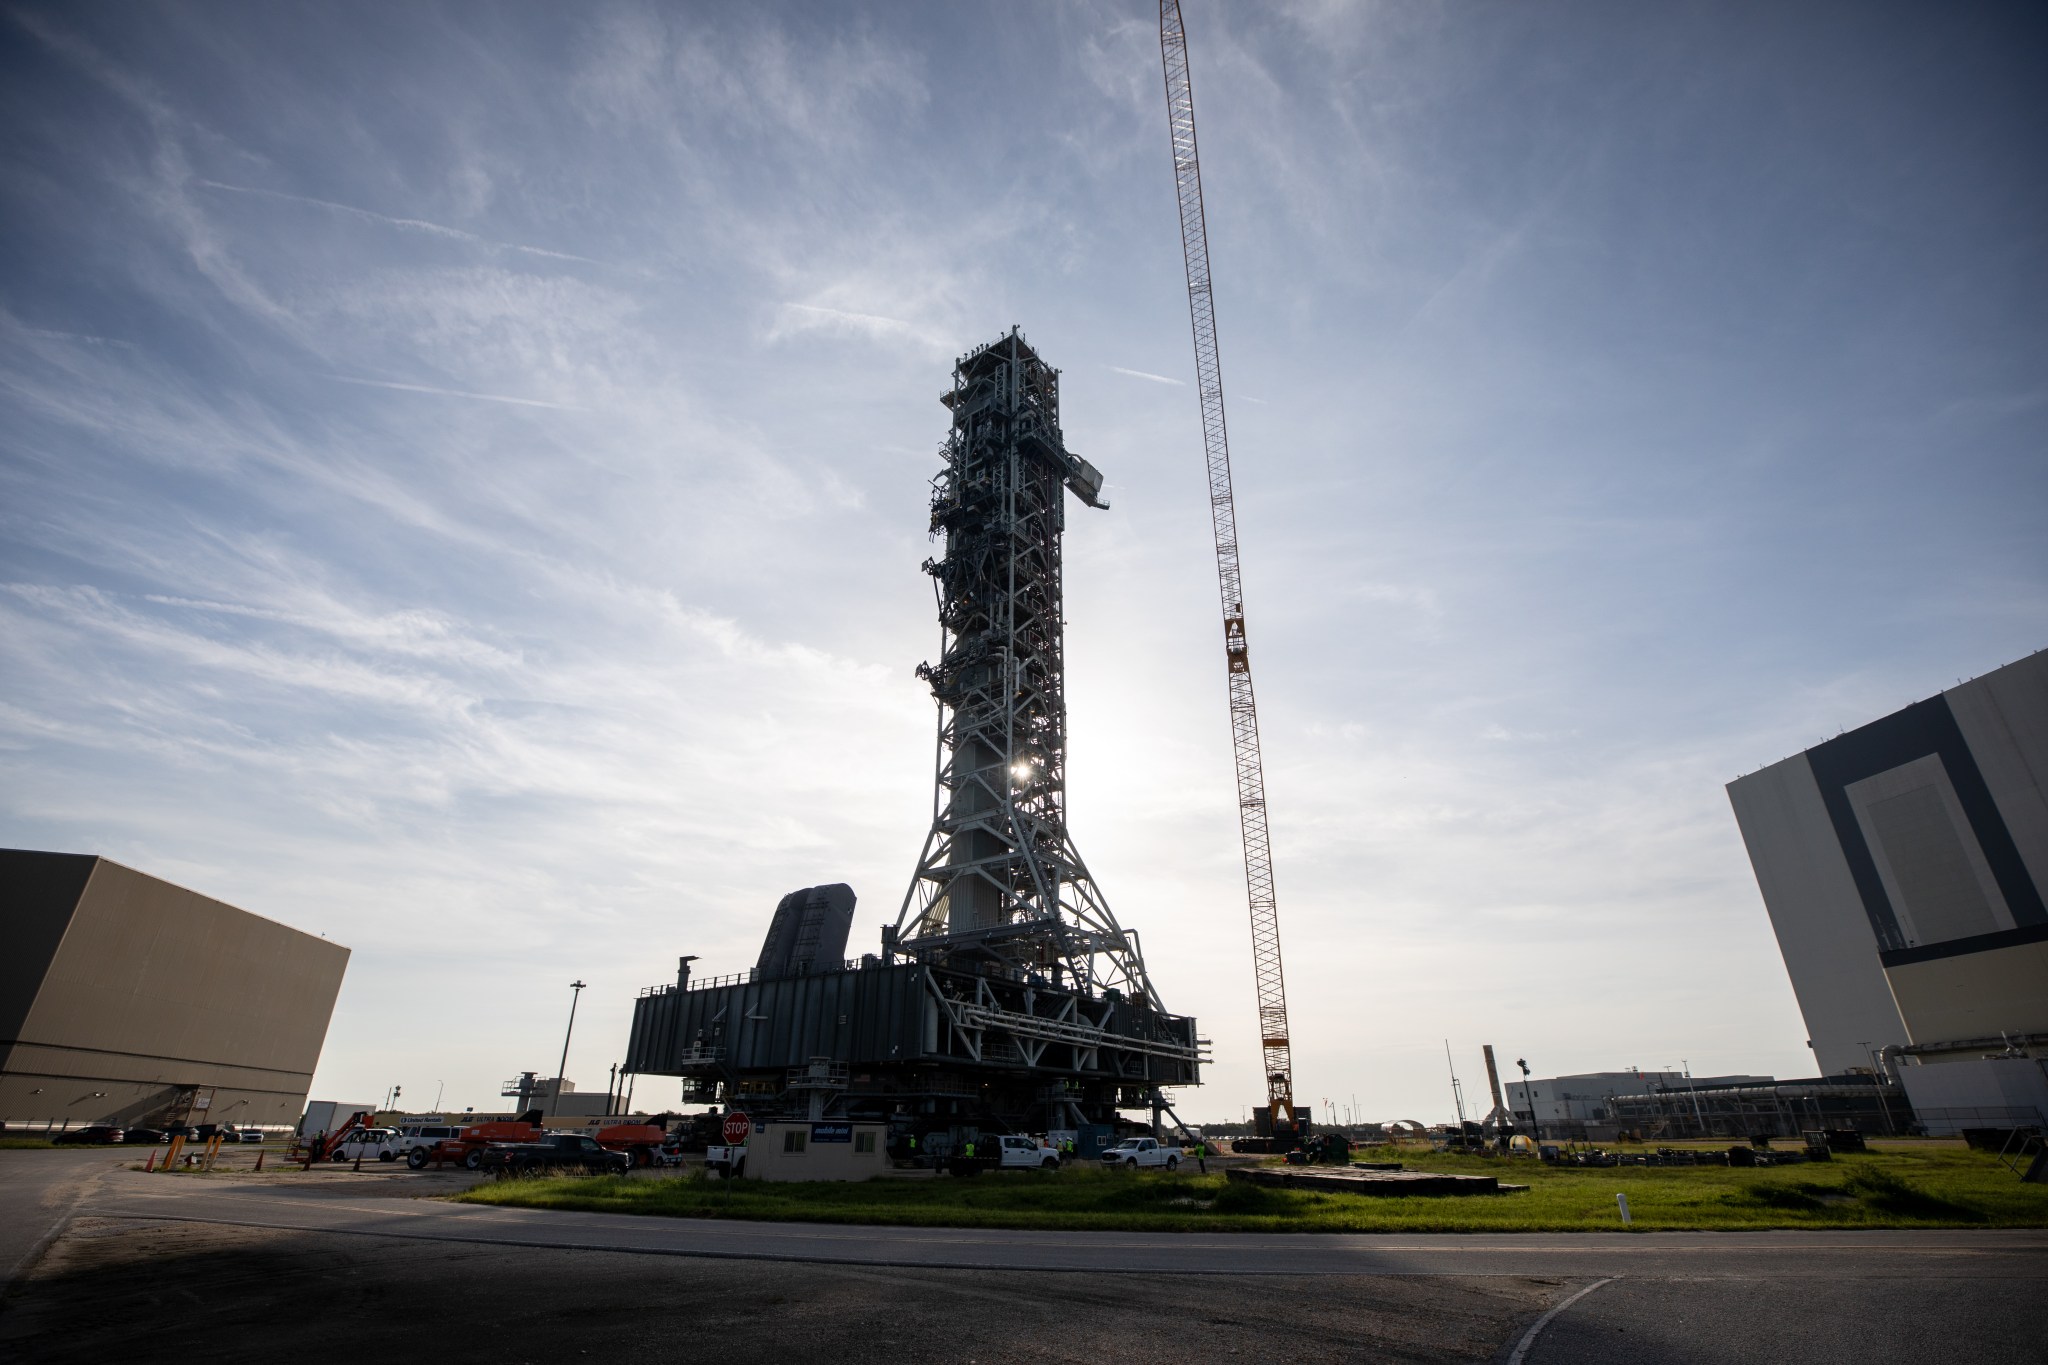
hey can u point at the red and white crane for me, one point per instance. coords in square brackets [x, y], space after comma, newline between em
[1244, 712]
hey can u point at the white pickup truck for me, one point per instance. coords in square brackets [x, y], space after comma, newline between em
[1029, 1153]
[1142, 1151]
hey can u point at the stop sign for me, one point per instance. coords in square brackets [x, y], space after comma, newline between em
[737, 1126]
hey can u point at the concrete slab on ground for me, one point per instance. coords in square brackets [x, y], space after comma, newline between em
[1366, 1180]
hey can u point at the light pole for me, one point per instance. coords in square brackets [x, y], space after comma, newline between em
[1693, 1090]
[563, 1065]
[1879, 1079]
[1529, 1094]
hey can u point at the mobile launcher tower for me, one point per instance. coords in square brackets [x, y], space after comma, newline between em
[1005, 997]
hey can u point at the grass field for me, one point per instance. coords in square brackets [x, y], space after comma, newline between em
[1945, 1187]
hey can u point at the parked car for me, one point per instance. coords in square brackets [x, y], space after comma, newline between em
[1140, 1152]
[230, 1133]
[555, 1152]
[466, 1148]
[145, 1135]
[99, 1134]
[381, 1143]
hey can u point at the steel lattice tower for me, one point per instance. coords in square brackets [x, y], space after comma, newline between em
[999, 879]
[1275, 1040]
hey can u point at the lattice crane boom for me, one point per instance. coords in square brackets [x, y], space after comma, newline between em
[1244, 714]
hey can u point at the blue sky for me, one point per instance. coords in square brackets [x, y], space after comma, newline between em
[464, 470]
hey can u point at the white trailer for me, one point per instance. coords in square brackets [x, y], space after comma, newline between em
[324, 1116]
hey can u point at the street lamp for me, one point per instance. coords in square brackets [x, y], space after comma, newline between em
[563, 1065]
[1535, 1124]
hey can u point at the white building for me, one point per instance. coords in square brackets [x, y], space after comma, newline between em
[1581, 1106]
[1902, 864]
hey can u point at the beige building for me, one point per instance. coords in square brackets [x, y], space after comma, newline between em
[127, 1000]
[817, 1151]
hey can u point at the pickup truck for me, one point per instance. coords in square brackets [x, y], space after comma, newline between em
[1008, 1152]
[646, 1144]
[1142, 1151]
[1027, 1153]
[554, 1152]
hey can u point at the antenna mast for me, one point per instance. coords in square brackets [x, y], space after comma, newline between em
[1244, 714]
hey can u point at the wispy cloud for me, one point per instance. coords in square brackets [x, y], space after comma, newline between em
[1146, 374]
[408, 224]
[798, 319]
[456, 393]
[84, 338]
[1422, 599]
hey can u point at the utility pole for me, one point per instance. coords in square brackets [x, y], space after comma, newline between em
[1457, 1091]
[1698, 1117]
[577, 987]
[1529, 1094]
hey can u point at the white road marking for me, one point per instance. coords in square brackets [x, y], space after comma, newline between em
[1536, 1329]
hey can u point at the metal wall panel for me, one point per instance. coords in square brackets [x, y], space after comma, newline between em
[769, 1025]
[2004, 719]
[1823, 930]
[155, 991]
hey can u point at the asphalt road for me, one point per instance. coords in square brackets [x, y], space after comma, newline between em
[380, 1206]
[1813, 1320]
[258, 1261]
[38, 1191]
